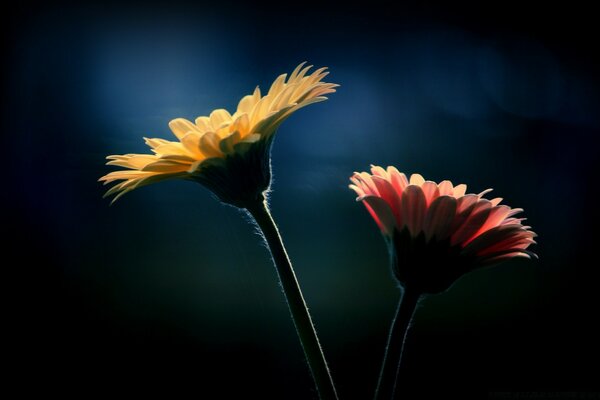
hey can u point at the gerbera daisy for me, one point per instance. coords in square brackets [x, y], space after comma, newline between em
[435, 234]
[230, 155]
[227, 153]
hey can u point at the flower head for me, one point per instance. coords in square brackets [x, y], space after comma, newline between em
[436, 232]
[228, 153]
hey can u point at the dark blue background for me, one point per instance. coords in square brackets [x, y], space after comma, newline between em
[168, 289]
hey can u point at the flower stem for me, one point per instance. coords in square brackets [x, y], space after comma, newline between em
[291, 289]
[386, 386]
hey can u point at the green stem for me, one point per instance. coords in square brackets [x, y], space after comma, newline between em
[293, 294]
[386, 386]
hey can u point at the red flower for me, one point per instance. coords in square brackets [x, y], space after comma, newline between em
[436, 232]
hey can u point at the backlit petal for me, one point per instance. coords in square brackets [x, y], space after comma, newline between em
[381, 213]
[181, 127]
[417, 179]
[446, 188]
[430, 190]
[440, 216]
[414, 207]
[472, 224]
[387, 193]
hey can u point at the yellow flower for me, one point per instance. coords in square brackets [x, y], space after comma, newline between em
[229, 154]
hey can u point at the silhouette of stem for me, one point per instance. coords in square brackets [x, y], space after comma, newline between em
[386, 386]
[291, 289]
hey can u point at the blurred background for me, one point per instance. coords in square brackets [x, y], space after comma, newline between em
[169, 291]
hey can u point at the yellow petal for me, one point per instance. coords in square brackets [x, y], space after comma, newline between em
[209, 145]
[255, 137]
[181, 127]
[154, 142]
[219, 117]
[203, 124]
[226, 144]
[167, 166]
[178, 158]
[294, 73]
[241, 124]
[118, 175]
[259, 111]
[282, 98]
[135, 161]
[248, 102]
[269, 124]
[302, 73]
[277, 85]
[175, 148]
[191, 142]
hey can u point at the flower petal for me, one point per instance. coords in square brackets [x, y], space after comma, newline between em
[381, 213]
[269, 123]
[398, 180]
[497, 215]
[241, 124]
[133, 161]
[253, 138]
[486, 191]
[359, 191]
[172, 148]
[227, 144]
[497, 239]
[446, 188]
[414, 207]
[282, 97]
[181, 126]
[367, 183]
[431, 191]
[466, 201]
[247, 103]
[119, 175]
[417, 179]
[144, 181]
[277, 85]
[209, 145]
[154, 142]
[167, 166]
[296, 71]
[378, 171]
[191, 142]
[258, 111]
[387, 192]
[460, 190]
[203, 124]
[219, 117]
[471, 224]
[440, 216]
